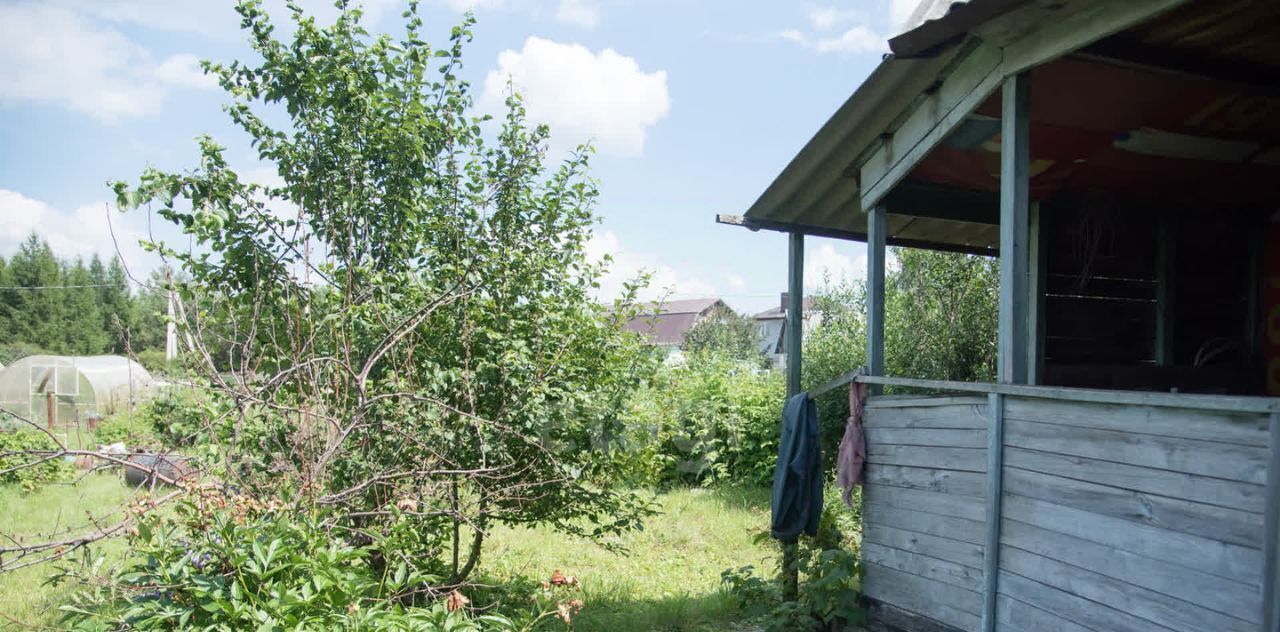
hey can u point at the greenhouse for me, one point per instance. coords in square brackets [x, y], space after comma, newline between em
[68, 390]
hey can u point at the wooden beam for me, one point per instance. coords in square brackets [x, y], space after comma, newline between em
[1015, 164]
[795, 310]
[1036, 279]
[833, 233]
[877, 225]
[1166, 284]
[994, 492]
[1271, 541]
[1006, 46]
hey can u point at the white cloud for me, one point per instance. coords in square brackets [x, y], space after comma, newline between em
[184, 70]
[81, 232]
[50, 54]
[474, 5]
[737, 282]
[825, 265]
[665, 280]
[603, 97]
[583, 13]
[829, 18]
[857, 39]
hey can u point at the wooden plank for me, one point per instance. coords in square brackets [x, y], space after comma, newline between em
[1022, 616]
[1015, 200]
[883, 617]
[1218, 523]
[1242, 428]
[958, 416]
[896, 518]
[941, 437]
[1072, 607]
[1229, 561]
[1200, 489]
[915, 401]
[1151, 606]
[941, 602]
[944, 548]
[963, 88]
[963, 459]
[1206, 458]
[876, 231]
[920, 500]
[922, 565]
[946, 481]
[1181, 582]
[1271, 546]
[994, 493]
[1225, 403]
[1166, 272]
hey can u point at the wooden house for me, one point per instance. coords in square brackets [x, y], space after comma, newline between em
[1122, 159]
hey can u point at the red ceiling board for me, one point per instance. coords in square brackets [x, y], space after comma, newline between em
[1080, 108]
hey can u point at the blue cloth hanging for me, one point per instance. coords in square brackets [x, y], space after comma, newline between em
[797, 477]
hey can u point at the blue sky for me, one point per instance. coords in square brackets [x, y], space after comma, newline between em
[694, 107]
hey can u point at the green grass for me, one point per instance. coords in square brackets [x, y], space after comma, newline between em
[669, 580]
[25, 602]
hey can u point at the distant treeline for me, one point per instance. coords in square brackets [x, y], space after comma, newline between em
[75, 307]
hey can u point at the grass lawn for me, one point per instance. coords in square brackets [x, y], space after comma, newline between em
[669, 581]
[23, 597]
[671, 578]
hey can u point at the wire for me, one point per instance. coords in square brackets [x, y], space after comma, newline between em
[57, 287]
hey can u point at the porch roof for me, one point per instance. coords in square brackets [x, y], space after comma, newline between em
[1127, 98]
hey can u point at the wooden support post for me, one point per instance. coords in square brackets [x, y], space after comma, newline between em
[1271, 539]
[49, 409]
[1166, 257]
[1036, 279]
[1015, 163]
[876, 232]
[795, 310]
[794, 339]
[994, 490]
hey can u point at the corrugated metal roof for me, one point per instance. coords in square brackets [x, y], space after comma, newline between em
[667, 322]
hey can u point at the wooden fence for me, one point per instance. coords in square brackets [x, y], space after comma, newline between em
[1098, 511]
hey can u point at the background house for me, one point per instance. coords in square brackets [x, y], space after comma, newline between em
[771, 328]
[664, 324]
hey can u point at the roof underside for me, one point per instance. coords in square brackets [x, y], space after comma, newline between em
[1185, 98]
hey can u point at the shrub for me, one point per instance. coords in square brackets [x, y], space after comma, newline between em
[132, 429]
[20, 448]
[237, 564]
[711, 419]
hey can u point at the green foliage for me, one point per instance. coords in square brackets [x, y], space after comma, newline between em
[942, 316]
[835, 346]
[132, 429]
[64, 306]
[19, 448]
[829, 587]
[219, 564]
[711, 419]
[445, 351]
[724, 332]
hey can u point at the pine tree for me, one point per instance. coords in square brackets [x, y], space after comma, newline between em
[114, 301]
[82, 330]
[35, 311]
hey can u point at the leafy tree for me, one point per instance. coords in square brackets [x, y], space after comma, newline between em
[724, 331]
[410, 316]
[942, 310]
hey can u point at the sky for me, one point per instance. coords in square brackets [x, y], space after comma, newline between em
[693, 106]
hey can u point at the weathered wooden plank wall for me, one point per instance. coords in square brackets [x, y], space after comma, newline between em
[924, 512]
[1113, 517]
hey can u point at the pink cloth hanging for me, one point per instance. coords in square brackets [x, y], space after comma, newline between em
[853, 447]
